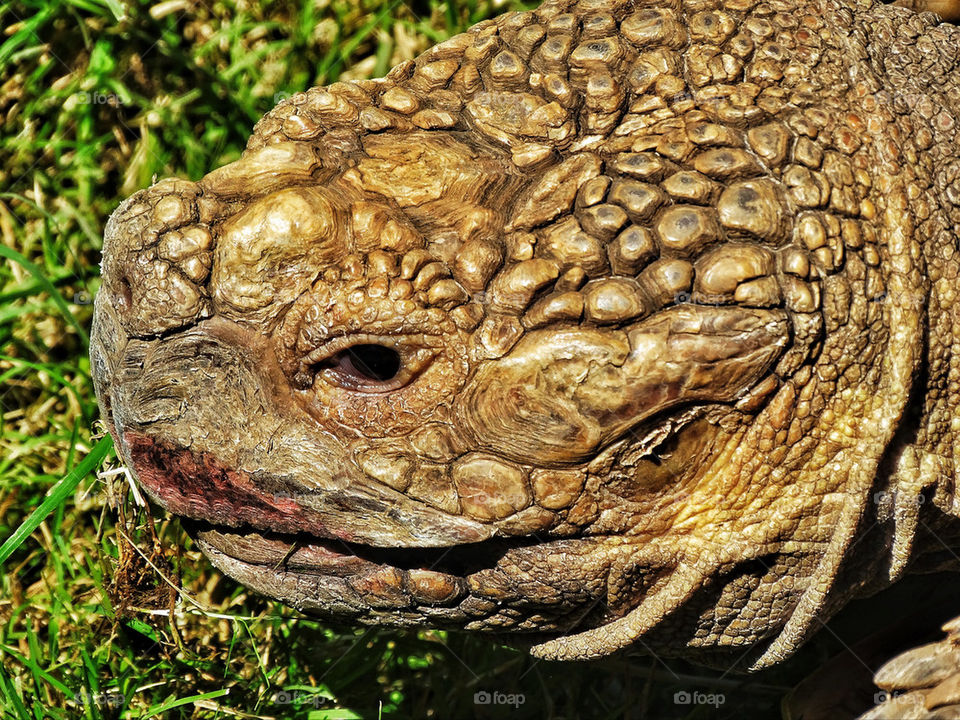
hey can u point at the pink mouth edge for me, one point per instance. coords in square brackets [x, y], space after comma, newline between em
[196, 485]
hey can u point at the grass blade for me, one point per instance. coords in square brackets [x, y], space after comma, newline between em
[8, 691]
[160, 709]
[33, 269]
[35, 668]
[57, 495]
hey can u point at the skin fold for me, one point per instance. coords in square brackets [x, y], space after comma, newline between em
[602, 322]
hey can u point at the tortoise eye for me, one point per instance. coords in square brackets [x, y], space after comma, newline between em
[367, 362]
[368, 367]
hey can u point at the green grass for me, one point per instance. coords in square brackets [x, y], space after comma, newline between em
[104, 614]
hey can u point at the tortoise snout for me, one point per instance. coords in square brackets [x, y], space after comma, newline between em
[156, 259]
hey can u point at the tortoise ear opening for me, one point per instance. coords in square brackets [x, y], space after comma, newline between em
[565, 394]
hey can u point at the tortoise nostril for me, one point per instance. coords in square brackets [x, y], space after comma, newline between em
[126, 292]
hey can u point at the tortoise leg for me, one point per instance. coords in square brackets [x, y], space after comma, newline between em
[921, 683]
[949, 10]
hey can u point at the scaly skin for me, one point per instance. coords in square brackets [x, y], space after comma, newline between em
[671, 294]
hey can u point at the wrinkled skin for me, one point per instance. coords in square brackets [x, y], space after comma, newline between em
[594, 324]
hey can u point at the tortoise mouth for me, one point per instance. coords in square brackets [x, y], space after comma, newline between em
[453, 588]
[310, 554]
[325, 577]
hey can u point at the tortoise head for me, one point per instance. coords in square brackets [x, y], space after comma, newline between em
[585, 357]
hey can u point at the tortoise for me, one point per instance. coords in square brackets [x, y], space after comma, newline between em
[609, 323]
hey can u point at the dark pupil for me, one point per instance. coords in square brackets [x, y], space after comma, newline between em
[374, 362]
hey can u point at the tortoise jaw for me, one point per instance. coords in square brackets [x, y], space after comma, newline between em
[322, 576]
[194, 484]
[452, 588]
[309, 554]
[344, 579]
